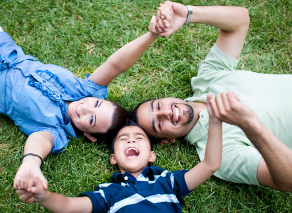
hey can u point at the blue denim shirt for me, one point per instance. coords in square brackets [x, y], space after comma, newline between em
[34, 94]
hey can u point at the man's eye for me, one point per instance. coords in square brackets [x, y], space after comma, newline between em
[158, 106]
[139, 138]
[96, 104]
[159, 124]
[91, 119]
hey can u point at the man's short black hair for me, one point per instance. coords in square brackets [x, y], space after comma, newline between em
[130, 123]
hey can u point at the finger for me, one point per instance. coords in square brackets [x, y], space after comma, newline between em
[25, 196]
[159, 20]
[231, 97]
[220, 106]
[20, 191]
[213, 105]
[225, 101]
[172, 140]
[168, 16]
[44, 181]
[16, 183]
[29, 200]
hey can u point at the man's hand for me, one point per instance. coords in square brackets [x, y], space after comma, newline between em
[228, 108]
[31, 190]
[29, 170]
[175, 13]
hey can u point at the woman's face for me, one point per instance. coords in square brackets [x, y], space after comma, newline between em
[91, 115]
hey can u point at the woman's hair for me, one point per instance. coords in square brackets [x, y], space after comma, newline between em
[118, 120]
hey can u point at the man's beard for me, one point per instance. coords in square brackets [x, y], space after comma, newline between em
[189, 112]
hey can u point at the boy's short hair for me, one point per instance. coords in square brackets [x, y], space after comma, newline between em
[129, 123]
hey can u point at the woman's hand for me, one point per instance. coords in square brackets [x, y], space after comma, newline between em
[29, 170]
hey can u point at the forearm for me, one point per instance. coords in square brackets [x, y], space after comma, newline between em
[212, 161]
[222, 17]
[55, 202]
[276, 154]
[122, 59]
[39, 143]
[213, 153]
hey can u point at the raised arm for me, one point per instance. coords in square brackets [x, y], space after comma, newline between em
[39, 143]
[213, 154]
[233, 23]
[52, 201]
[125, 57]
[275, 168]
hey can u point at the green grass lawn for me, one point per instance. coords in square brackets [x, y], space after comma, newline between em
[81, 34]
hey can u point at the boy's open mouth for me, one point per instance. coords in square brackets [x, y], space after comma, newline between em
[132, 153]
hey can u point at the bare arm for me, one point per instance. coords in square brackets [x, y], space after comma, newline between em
[275, 168]
[233, 23]
[213, 154]
[54, 202]
[39, 143]
[124, 58]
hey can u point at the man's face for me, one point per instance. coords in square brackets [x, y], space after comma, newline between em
[132, 150]
[91, 115]
[166, 118]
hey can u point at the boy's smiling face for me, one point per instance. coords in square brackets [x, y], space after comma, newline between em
[132, 150]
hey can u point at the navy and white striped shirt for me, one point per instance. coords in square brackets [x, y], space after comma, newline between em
[155, 189]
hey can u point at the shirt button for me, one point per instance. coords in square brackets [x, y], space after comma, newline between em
[126, 178]
[202, 116]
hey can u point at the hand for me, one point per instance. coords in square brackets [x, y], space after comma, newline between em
[163, 18]
[167, 141]
[152, 25]
[26, 171]
[210, 109]
[31, 190]
[228, 108]
[177, 17]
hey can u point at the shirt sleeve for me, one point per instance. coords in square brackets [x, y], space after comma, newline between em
[97, 199]
[239, 164]
[217, 60]
[59, 136]
[180, 187]
[8, 46]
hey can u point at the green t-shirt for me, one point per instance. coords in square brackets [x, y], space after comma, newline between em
[267, 94]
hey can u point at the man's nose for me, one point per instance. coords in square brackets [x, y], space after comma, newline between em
[164, 114]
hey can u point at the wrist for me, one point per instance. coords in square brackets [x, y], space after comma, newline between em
[189, 14]
[32, 159]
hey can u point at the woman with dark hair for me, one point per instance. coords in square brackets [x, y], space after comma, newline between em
[50, 104]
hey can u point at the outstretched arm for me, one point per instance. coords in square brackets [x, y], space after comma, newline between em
[274, 169]
[125, 57]
[52, 201]
[233, 23]
[213, 154]
[39, 143]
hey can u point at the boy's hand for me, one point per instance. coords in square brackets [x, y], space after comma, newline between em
[30, 190]
[176, 14]
[210, 109]
[152, 25]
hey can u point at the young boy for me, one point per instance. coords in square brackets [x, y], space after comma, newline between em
[138, 188]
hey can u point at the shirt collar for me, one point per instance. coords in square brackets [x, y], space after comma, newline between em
[128, 177]
[200, 129]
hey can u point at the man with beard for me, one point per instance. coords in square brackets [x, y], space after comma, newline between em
[258, 149]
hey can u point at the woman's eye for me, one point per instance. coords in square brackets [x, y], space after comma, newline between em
[159, 124]
[91, 119]
[96, 104]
